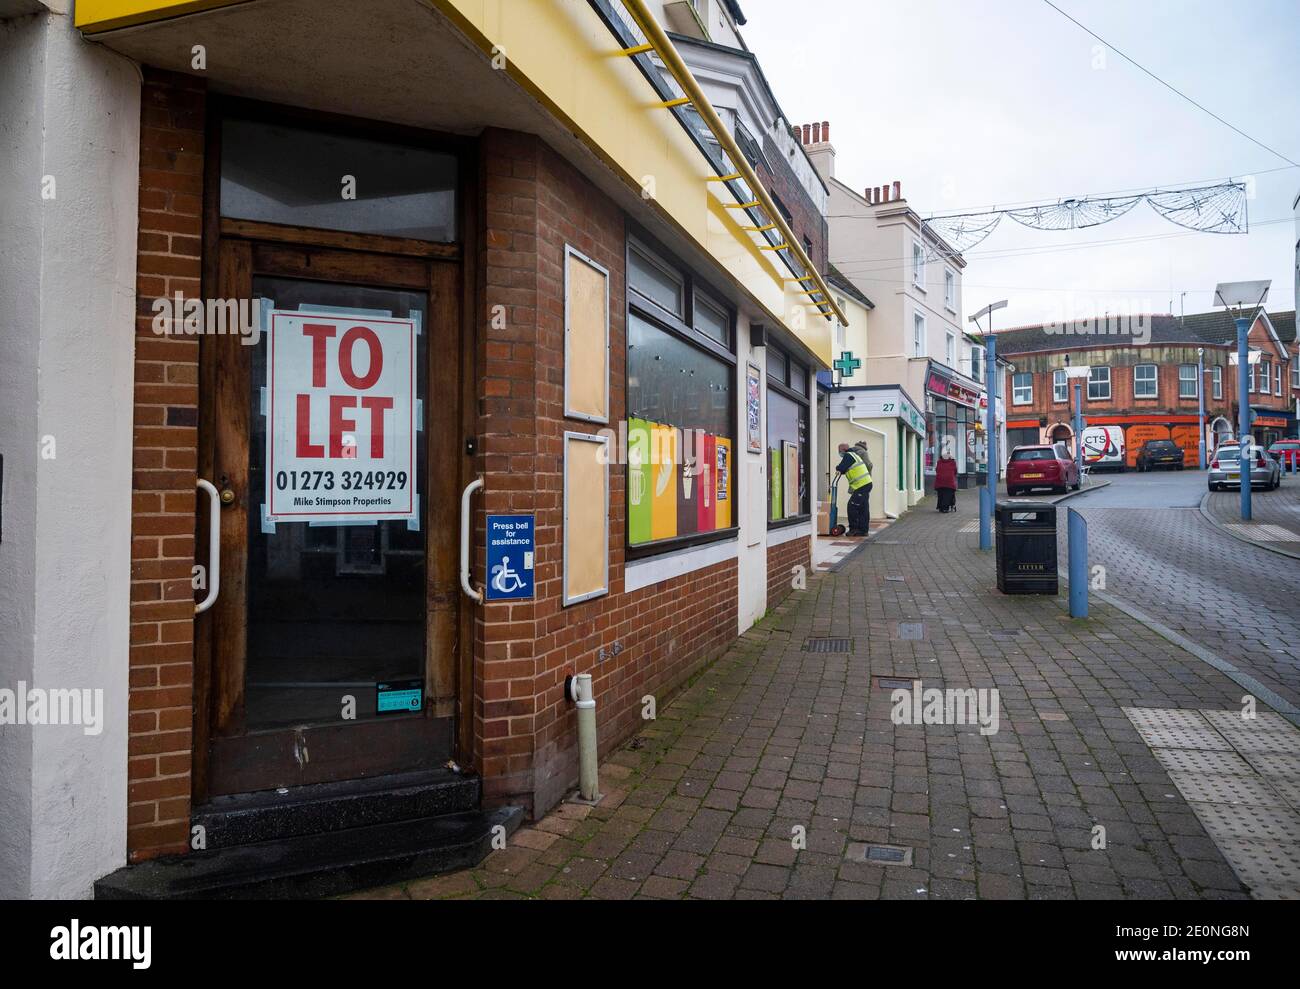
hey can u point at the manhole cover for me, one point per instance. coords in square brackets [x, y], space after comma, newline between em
[911, 630]
[828, 645]
[880, 854]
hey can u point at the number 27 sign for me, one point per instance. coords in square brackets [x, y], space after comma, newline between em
[341, 427]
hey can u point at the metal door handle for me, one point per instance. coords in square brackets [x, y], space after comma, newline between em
[466, 495]
[214, 547]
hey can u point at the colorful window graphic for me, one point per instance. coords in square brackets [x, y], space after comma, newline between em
[679, 482]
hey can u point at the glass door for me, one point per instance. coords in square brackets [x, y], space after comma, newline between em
[332, 647]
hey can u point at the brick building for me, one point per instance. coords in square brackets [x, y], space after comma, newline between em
[302, 313]
[1144, 380]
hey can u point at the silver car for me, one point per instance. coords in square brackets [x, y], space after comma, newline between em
[1225, 468]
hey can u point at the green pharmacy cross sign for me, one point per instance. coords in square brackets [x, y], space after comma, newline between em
[847, 364]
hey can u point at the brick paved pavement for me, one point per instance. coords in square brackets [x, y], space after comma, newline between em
[1278, 509]
[772, 738]
[1178, 568]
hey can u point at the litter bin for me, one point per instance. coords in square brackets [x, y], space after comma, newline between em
[1026, 535]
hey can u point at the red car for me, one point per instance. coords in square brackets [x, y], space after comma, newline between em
[1287, 453]
[1041, 467]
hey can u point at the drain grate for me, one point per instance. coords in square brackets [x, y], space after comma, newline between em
[880, 854]
[1006, 633]
[828, 645]
[894, 683]
[896, 580]
[914, 631]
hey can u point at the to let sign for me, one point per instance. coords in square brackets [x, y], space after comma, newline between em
[341, 428]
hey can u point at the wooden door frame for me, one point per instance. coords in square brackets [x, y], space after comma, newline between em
[241, 239]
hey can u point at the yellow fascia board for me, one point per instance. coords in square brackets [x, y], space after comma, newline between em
[565, 56]
[94, 16]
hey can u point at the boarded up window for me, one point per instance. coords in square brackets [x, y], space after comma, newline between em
[586, 338]
[586, 517]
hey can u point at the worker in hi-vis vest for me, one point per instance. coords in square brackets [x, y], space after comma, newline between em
[854, 468]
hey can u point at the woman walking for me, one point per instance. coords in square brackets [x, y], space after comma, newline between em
[945, 483]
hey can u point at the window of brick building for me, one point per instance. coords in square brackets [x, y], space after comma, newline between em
[1145, 381]
[1060, 387]
[681, 411]
[1188, 386]
[787, 439]
[1099, 384]
[1022, 389]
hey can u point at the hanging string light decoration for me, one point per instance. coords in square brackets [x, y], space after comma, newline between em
[1218, 209]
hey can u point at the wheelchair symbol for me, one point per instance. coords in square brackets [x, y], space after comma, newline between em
[505, 580]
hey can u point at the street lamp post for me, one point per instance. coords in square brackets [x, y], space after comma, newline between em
[1200, 401]
[1238, 296]
[1078, 374]
[989, 496]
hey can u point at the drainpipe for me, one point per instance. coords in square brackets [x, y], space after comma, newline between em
[884, 438]
[578, 689]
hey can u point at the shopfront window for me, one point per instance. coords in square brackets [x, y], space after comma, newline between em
[787, 438]
[951, 428]
[681, 485]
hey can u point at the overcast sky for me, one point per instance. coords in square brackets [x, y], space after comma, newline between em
[1002, 102]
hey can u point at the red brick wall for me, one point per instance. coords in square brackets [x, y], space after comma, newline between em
[525, 731]
[781, 561]
[165, 461]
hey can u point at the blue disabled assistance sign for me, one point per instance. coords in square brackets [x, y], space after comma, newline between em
[511, 543]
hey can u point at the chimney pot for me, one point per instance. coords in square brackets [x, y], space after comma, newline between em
[872, 194]
[817, 133]
[807, 134]
[898, 190]
[884, 193]
[826, 131]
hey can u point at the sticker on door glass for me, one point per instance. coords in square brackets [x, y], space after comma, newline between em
[340, 418]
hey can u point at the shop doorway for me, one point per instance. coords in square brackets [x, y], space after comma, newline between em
[334, 433]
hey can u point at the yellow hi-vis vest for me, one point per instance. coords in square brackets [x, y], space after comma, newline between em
[858, 475]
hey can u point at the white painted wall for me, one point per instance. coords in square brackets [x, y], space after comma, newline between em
[70, 110]
[751, 476]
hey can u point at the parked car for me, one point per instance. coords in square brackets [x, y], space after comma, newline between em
[1048, 466]
[1160, 453]
[1225, 468]
[1287, 453]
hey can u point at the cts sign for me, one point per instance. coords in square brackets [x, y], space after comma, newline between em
[341, 427]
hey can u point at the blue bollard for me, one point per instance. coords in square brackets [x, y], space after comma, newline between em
[1078, 536]
[986, 518]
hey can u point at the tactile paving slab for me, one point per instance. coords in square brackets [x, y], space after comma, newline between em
[1202, 761]
[1263, 532]
[1275, 765]
[1219, 789]
[1288, 790]
[1246, 821]
[1264, 864]
[1161, 717]
[1232, 720]
[1196, 735]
